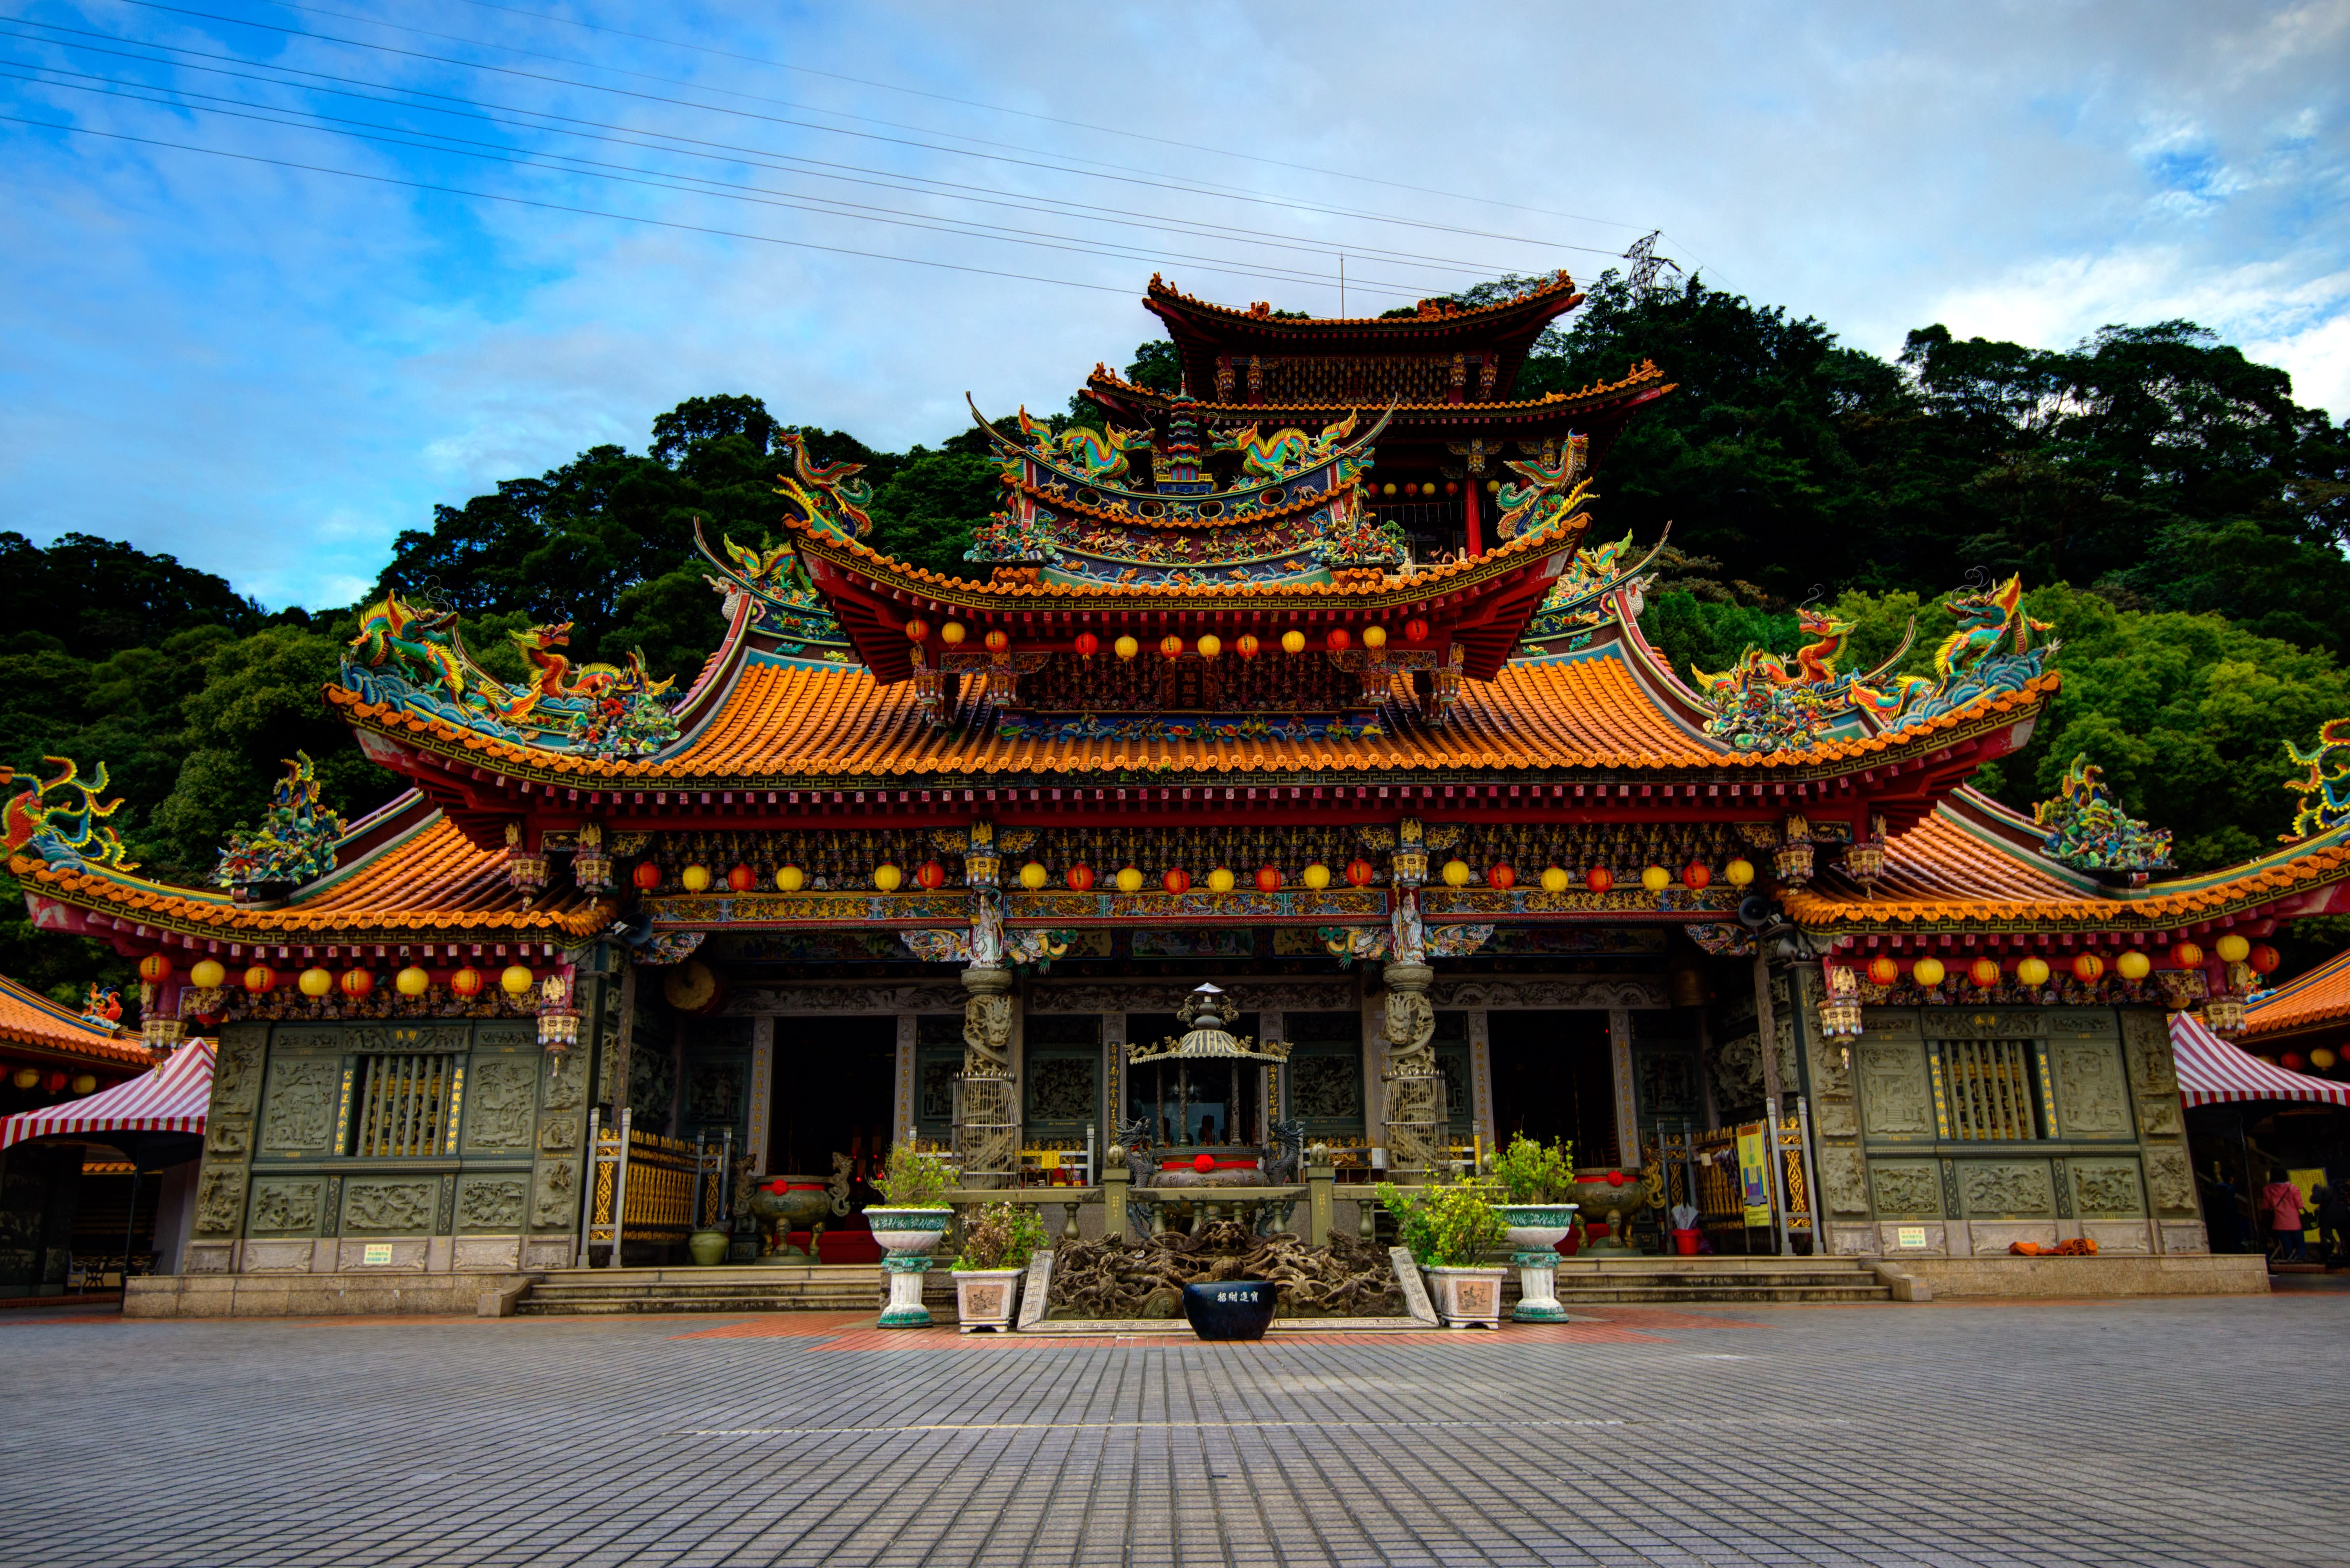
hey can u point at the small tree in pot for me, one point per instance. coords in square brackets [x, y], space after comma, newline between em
[909, 1223]
[997, 1246]
[1535, 1177]
[1449, 1228]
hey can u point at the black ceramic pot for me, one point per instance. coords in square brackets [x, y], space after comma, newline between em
[1230, 1309]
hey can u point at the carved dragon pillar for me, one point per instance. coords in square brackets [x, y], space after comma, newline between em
[1413, 1090]
[987, 1105]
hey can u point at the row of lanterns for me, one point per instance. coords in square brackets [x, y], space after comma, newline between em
[1034, 876]
[211, 974]
[1429, 487]
[29, 1079]
[2087, 968]
[1338, 639]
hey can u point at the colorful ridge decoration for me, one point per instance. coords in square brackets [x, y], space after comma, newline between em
[295, 841]
[71, 832]
[2087, 828]
[790, 611]
[2325, 788]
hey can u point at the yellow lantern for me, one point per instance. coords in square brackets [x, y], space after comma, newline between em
[1555, 880]
[1126, 648]
[2322, 1058]
[1210, 644]
[2233, 948]
[516, 979]
[207, 973]
[887, 877]
[84, 1082]
[1130, 880]
[2134, 966]
[1316, 876]
[26, 1077]
[1456, 872]
[1927, 971]
[412, 981]
[695, 878]
[1739, 872]
[1389, 488]
[952, 633]
[790, 879]
[1033, 875]
[1293, 642]
[1375, 637]
[1220, 880]
[1656, 878]
[2032, 972]
[316, 981]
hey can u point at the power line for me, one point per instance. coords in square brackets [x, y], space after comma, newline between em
[817, 169]
[1316, 208]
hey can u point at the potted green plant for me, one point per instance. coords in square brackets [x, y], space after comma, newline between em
[996, 1245]
[1535, 1178]
[1449, 1228]
[907, 1224]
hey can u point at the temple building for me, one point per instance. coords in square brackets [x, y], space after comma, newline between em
[942, 857]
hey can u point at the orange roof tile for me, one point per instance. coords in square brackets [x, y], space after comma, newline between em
[1558, 284]
[833, 722]
[1638, 375]
[1960, 867]
[28, 1018]
[432, 880]
[2321, 996]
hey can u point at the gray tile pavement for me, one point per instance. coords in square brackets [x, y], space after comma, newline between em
[2181, 1433]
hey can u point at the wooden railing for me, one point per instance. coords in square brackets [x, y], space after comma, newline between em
[644, 1187]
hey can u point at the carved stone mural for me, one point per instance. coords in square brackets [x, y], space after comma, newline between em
[558, 1135]
[228, 1137]
[285, 1205]
[1897, 1099]
[567, 1084]
[2169, 1182]
[491, 1204]
[2106, 1189]
[299, 1114]
[1837, 1117]
[236, 1069]
[1906, 1190]
[1060, 1089]
[2089, 1089]
[1326, 1086]
[2010, 1189]
[220, 1198]
[2153, 1075]
[556, 1202]
[1842, 1181]
[405, 1206]
[1598, 994]
[499, 1102]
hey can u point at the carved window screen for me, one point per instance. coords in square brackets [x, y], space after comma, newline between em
[1989, 1089]
[404, 1105]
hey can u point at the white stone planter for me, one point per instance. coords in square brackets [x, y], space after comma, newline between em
[1536, 1232]
[1467, 1298]
[909, 1236]
[986, 1298]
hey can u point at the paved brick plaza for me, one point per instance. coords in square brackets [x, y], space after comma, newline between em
[2152, 1432]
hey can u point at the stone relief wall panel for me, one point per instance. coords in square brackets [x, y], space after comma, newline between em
[501, 1098]
[1897, 1097]
[2090, 1093]
[283, 1205]
[2153, 1075]
[2106, 1186]
[1843, 1180]
[1905, 1188]
[377, 1207]
[554, 1195]
[220, 1199]
[2007, 1189]
[2170, 1184]
[236, 1068]
[299, 1111]
[491, 1202]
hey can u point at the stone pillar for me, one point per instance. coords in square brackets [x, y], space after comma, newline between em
[987, 1125]
[1417, 1131]
[760, 1132]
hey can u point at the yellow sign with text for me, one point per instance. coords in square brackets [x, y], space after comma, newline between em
[1754, 1174]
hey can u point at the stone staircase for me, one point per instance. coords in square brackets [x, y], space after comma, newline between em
[1621, 1281]
[589, 1292]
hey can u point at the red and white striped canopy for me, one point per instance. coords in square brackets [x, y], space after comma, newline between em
[2211, 1071]
[171, 1098]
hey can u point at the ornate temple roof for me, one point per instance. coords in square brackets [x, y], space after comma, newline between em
[1640, 383]
[2317, 1000]
[30, 1020]
[410, 876]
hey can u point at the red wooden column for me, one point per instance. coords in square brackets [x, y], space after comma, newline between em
[1469, 514]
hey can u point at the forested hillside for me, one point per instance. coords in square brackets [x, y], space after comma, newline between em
[2177, 516]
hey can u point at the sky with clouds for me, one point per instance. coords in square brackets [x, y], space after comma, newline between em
[279, 277]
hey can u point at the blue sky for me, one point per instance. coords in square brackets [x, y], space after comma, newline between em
[270, 363]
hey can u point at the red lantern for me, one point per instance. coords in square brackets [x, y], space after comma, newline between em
[1696, 875]
[2263, 958]
[1984, 973]
[1080, 877]
[2187, 955]
[1502, 876]
[260, 978]
[357, 984]
[1268, 878]
[1245, 645]
[1177, 880]
[1415, 631]
[155, 969]
[929, 874]
[465, 982]
[2087, 968]
[1087, 645]
[917, 630]
[1359, 872]
[740, 878]
[1451, 487]
[1883, 971]
[647, 875]
[2291, 1062]
[1170, 646]
[1338, 639]
[997, 640]
[1599, 878]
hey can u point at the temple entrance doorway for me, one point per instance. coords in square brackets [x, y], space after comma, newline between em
[1553, 1078]
[834, 1080]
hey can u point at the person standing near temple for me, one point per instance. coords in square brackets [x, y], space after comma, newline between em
[2280, 1202]
[2332, 1221]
